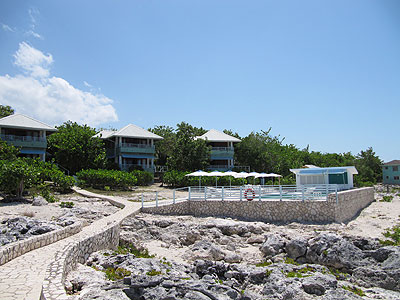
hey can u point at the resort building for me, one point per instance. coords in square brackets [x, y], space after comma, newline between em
[391, 172]
[342, 176]
[222, 150]
[131, 147]
[26, 133]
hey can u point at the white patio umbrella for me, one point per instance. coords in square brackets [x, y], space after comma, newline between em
[273, 175]
[216, 174]
[262, 175]
[230, 174]
[199, 174]
[241, 175]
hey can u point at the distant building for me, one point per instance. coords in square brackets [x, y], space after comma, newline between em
[222, 150]
[391, 172]
[130, 147]
[342, 176]
[28, 134]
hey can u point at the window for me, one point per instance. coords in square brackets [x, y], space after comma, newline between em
[386, 168]
[396, 177]
[395, 168]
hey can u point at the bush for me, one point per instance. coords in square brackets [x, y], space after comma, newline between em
[99, 179]
[143, 177]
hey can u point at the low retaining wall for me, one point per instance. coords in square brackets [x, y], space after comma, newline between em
[347, 206]
[103, 234]
[13, 250]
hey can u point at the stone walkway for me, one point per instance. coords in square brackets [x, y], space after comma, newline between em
[22, 277]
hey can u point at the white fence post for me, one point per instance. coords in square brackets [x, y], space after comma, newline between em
[240, 193]
[156, 199]
[259, 192]
[190, 193]
[142, 201]
[174, 196]
[302, 192]
[337, 200]
[205, 193]
[280, 192]
[222, 193]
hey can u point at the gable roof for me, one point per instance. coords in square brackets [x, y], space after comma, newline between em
[217, 136]
[130, 131]
[21, 121]
[392, 163]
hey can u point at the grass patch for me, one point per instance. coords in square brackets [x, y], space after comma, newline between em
[264, 264]
[125, 249]
[354, 290]
[268, 273]
[186, 278]
[387, 199]
[290, 261]
[115, 274]
[335, 272]
[301, 273]
[165, 262]
[153, 273]
[393, 235]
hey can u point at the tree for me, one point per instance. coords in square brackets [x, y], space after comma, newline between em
[15, 175]
[369, 166]
[164, 147]
[6, 110]
[189, 154]
[75, 148]
[7, 151]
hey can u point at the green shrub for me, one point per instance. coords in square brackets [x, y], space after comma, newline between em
[355, 290]
[393, 235]
[264, 264]
[387, 199]
[99, 179]
[115, 274]
[46, 194]
[153, 273]
[129, 248]
[143, 177]
[67, 204]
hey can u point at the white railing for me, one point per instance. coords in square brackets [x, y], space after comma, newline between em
[245, 193]
[154, 199]
[222, 148]
[25, 138]
[131, 145]
[161, 169]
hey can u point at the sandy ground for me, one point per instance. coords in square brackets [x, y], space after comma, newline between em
[53, 211]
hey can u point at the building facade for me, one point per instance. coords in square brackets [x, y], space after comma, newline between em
[391, 172]
[26, 133]
[341, 176]
[222, 151]
[130, 147]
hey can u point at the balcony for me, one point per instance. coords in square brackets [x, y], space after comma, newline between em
[136, 148]
[222, 153]
[25, 141]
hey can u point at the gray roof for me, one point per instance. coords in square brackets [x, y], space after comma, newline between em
[21, 121]
[217, 136]
[392, 163]
[130, 131]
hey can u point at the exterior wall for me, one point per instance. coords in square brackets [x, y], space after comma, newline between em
[348, 205]
[389, 174]
[13, 250]
[26, 141]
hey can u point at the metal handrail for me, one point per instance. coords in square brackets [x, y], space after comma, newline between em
[22, 138]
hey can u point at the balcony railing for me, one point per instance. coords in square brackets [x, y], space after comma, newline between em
[23, 138]
[227, 168]
[131, 145]
[227, 149]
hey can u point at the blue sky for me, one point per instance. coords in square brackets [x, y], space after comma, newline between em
[323, 73]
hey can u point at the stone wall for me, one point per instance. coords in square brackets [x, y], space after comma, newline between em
[102, 234]
[348, 205]
[13, 250]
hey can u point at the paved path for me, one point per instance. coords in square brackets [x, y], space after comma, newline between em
[22, 277]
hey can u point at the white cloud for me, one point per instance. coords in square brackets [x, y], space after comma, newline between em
[87, 84]
[33, 61]
[51, 99]
[34, 34]
[5, 27]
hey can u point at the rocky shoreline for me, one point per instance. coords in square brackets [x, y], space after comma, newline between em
[209, 258]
